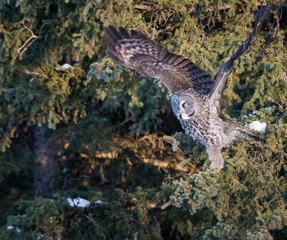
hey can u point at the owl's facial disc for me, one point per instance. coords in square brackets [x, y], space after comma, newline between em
[175, 105]
[186, 107]
[182, 106]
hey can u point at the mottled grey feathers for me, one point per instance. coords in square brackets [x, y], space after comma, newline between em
[136, 51]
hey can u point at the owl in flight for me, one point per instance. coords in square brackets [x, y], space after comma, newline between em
[196, 97]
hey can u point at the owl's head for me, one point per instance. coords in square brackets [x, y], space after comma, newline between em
[183, 106]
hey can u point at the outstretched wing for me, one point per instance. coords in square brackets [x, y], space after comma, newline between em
[217, 90]
[136, 51]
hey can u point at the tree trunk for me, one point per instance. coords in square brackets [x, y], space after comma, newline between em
[45, 166]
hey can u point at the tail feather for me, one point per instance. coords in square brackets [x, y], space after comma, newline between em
[249, 134]
[237, 132]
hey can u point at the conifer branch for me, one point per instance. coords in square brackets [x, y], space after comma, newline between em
[148, 7]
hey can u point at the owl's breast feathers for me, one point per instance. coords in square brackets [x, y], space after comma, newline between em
[207, 130]
[213, 131]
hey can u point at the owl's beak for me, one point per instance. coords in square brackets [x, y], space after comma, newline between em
[184, 115]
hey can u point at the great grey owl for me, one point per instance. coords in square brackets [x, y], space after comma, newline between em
[196, 98]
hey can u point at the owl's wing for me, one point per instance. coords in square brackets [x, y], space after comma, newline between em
[135, 50]
[217, 90]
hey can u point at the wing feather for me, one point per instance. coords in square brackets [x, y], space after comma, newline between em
[219, 84]
[135, 50]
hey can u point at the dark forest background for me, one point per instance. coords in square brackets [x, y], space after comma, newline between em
[74, 124]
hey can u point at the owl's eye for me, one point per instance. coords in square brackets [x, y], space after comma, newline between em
[185, 105]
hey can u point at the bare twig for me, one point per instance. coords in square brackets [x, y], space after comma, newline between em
[169, 179]
[37, 74]
[278, 27]
[92, 220]
[32, 73]
[29, 41]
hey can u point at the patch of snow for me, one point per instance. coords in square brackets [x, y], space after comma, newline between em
[258, 126]
[40, 236]
[98, 202]
[32, 79]
[43, 235]
[78, 202]
[12, 227]
[66, 66]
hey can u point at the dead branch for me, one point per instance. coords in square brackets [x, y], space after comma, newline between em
[29, 41]
[36, 73]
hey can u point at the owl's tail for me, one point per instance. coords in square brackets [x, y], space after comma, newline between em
[237, 132]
